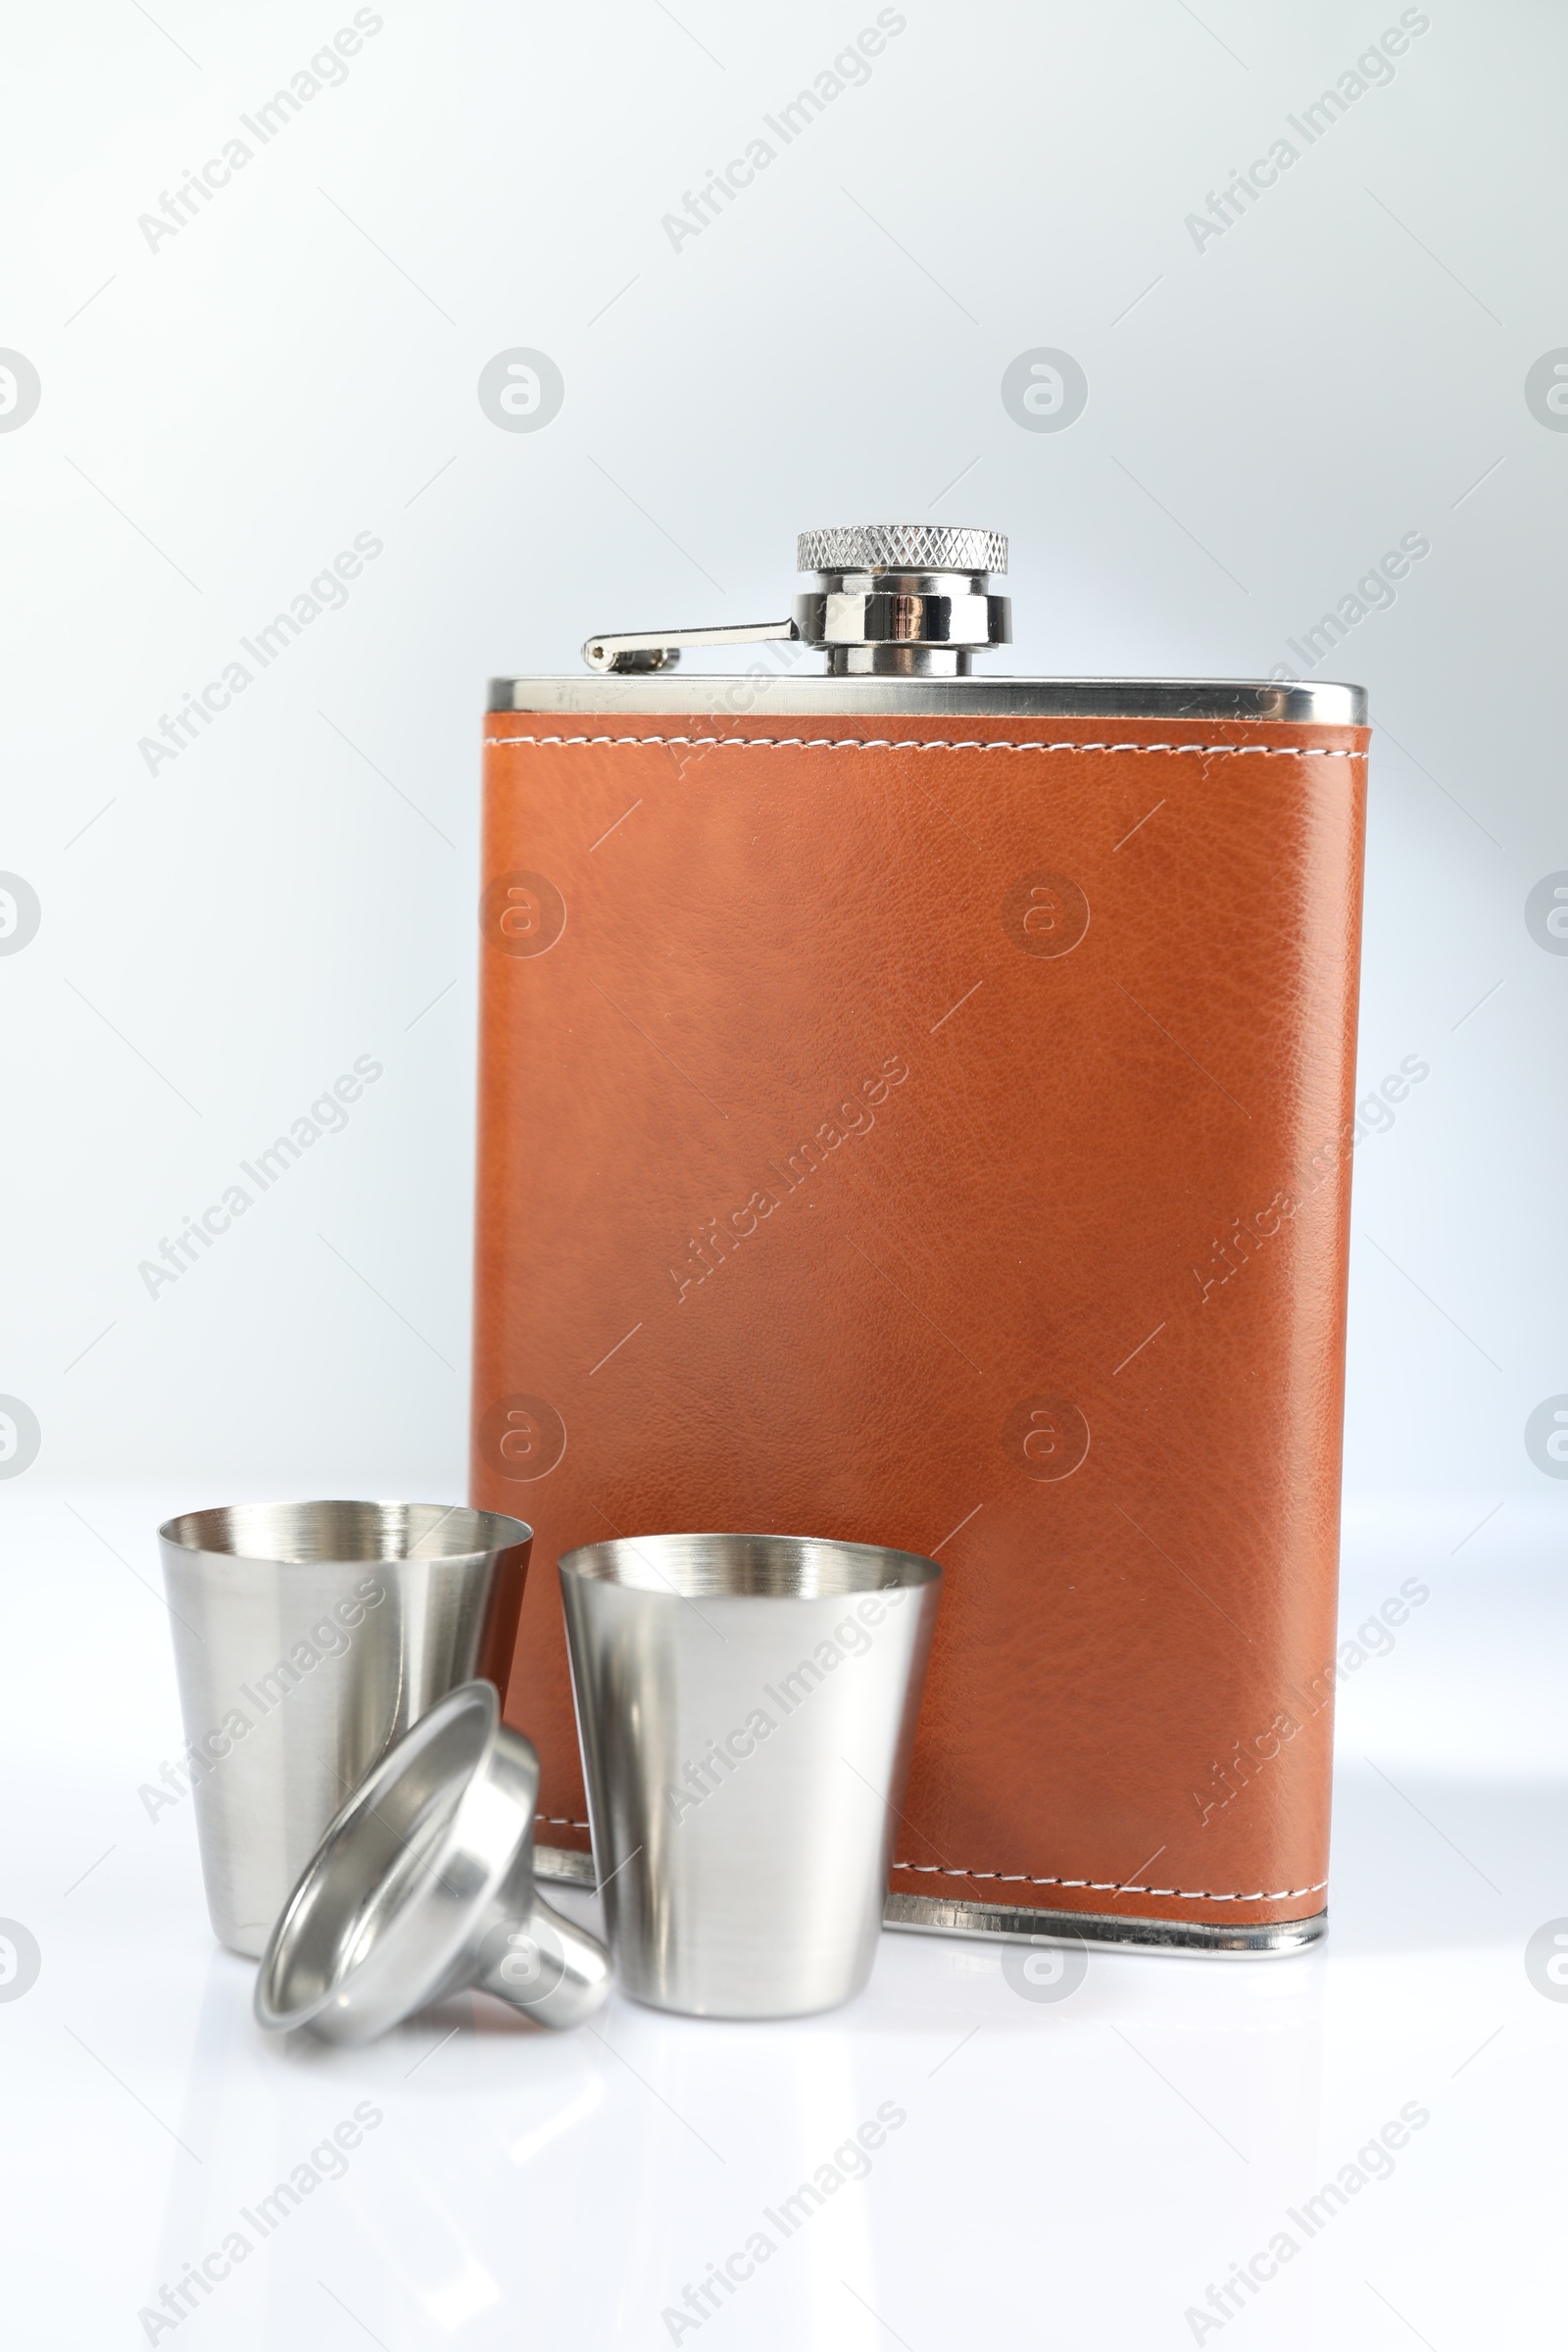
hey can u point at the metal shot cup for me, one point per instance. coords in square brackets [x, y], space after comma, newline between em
[747, 1707]
[308, 1636]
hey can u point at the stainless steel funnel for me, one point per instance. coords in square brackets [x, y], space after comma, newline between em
[424, 1884]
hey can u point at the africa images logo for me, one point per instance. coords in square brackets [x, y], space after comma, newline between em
[521, 1437]
[19, 1960]
[1044, 914]
[1045, 1437]
[521, 914]
[522, 389]
[20, 1436]
[1545, 914]
[1547, 1437]
[1546, 1959]
[1546, 390]
[21, 914]
[20, 390]
[1044, 390]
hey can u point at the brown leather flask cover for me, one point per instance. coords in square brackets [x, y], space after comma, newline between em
[936, 1133]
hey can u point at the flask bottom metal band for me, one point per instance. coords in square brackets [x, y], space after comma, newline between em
[935, 1915]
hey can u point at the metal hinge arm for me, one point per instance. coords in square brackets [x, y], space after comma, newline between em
[659, 648]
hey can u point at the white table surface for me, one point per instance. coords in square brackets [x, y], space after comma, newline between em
[1066, 2173]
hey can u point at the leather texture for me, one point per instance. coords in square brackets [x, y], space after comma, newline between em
[937, 1134]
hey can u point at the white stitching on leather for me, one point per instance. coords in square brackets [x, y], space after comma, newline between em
[893, 743]
[1189, 1894]
[1020, 1878]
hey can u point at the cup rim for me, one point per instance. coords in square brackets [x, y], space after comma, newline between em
[229, 1530]
[875, 1567]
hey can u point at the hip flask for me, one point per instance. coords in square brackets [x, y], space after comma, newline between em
[915, 1109]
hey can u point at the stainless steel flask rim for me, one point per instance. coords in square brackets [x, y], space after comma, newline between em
[899, 610]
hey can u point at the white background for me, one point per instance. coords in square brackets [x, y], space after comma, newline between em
[221, 939]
